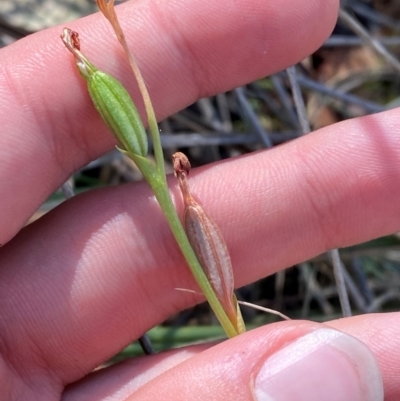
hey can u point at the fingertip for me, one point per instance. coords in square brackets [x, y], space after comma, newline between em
[280, 362]
[324, 364]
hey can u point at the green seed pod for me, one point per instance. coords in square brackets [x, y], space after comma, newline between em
[111, 100]
[118, 111]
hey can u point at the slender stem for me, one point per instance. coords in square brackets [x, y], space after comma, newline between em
[151, 116]
[341, 285]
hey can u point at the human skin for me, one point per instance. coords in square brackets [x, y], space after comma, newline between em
[94, 274]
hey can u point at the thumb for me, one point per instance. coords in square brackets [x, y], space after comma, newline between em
[323, 364]
[299, 361]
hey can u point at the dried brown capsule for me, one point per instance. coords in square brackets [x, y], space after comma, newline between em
[208, 244]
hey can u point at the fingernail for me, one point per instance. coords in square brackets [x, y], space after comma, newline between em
[323, 365]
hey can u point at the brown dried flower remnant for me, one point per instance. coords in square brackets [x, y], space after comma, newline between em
[75, 40]
[180, 163]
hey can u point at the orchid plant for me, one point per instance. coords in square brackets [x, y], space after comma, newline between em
[201, 241]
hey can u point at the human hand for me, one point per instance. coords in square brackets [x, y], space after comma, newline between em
[94, 274]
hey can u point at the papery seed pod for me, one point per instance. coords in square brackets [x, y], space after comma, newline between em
[211, 251]
[208, 244]
[110, 99]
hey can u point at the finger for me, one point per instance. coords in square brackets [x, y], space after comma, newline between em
[123, 379]
[380, 333]
[50, 127]
[120, 266]
[283, 362]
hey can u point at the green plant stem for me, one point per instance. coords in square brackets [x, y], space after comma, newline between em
[160, 189]
[151, 116]
[157, 148]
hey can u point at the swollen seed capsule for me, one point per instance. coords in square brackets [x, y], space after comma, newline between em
[118, 111]
[110, 99]
[211, 251]
[208, 245]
